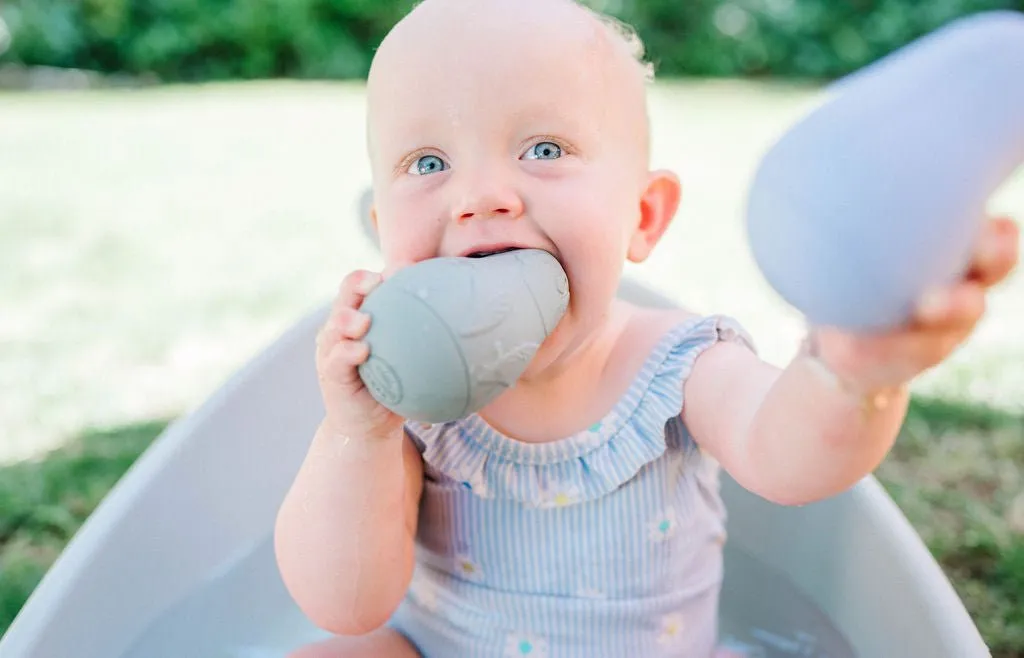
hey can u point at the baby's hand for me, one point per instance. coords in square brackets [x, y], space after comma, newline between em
[944, 319]
[350, 409]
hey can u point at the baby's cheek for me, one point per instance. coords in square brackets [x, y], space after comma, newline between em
[411, 239]
[600, 245]
[592, 233]
[593, 269]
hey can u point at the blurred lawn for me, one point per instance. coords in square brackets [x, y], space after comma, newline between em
[153, 240]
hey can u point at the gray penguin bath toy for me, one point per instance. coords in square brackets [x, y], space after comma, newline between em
[448, 335]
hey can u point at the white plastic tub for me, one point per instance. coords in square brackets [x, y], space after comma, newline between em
[177, 561]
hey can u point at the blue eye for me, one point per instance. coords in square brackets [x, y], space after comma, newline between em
[427, 164]
[543, 151]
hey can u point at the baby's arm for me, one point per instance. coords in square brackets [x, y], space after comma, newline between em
[791, 436]
[345, 532]
[801, 434]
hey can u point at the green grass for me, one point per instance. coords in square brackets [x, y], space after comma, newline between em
[152, 241]
[956, 473]
[44, 502]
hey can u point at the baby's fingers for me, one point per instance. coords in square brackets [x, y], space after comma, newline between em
[352, 324]
[997, 252]
[345, 324]
[338, 355]
[338, 343]
[957, 307]
[356, 286]
[339, 365]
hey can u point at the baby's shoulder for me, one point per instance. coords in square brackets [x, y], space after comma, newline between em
[644, 328]
[641, 331]
[646, 325]
[660, 320]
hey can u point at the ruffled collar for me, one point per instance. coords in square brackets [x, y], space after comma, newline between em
[584, 465]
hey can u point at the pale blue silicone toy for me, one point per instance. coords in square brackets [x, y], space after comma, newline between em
[879, 193]
[448, 335]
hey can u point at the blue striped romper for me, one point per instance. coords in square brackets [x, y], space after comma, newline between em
[607, 543]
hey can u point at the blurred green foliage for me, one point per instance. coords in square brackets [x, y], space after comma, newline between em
[191, 40]
[786, 38]
[188, 40]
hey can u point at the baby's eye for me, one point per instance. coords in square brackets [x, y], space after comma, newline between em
[427, 164]
[543, 151]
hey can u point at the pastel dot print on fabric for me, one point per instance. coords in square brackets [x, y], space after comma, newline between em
[663, 526]
[468, 568]
[477, 483]
[520, 645]
[559, 494]
[671, 629]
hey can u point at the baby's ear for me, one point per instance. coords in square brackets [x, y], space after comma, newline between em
[368, 214]
[658, 205]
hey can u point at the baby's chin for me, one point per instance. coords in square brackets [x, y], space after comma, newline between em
[568, 341]
[546, 360]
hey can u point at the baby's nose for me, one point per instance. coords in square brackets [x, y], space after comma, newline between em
[487, 202]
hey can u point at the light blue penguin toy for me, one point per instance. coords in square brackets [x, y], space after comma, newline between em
[879, 193]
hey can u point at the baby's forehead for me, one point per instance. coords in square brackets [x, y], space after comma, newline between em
[453, 37]
[549, 59]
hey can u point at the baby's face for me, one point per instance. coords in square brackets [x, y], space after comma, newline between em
[511, 123]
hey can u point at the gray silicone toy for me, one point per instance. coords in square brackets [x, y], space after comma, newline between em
[448, 335]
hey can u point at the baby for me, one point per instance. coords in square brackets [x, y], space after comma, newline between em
[579, 513]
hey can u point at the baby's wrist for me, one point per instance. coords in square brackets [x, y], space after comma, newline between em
[339, 436]
[335, 446]
[870, 398]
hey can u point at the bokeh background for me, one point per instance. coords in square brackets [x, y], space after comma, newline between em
[179, 182]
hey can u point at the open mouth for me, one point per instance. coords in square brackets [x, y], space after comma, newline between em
[492, 252]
